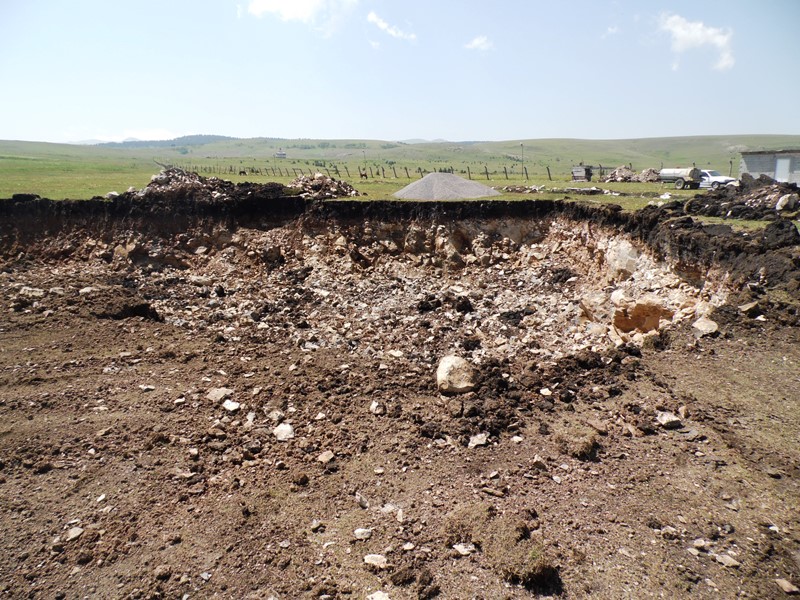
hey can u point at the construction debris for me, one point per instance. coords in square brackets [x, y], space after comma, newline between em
[762, 198]
[625, 175]
[322, 187]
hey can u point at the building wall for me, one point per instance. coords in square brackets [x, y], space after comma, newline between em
[764, 164]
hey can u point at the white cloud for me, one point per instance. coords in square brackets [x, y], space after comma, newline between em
[390, 29]
[287, 10]
[479, 43]
[611, 30]
[325, 15]
[687, 35]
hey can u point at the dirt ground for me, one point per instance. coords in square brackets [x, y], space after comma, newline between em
[148, 371]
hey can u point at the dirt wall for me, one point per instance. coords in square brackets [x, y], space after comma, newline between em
[769, 258]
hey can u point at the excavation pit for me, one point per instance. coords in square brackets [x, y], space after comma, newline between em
[232, 391]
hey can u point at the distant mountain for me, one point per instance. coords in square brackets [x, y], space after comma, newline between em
[186, 140]
[421, 141]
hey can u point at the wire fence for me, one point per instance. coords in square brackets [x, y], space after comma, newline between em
[340, 171]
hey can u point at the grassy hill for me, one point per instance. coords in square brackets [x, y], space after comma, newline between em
[82, 171]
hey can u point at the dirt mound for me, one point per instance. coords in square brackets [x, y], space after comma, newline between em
[445, 186]
[762, 198]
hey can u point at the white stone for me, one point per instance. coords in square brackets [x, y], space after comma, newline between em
[464, 549]
[283, 432]
[73, 533]
[362, 533]
[480, 439]
[787, 587]
[787, 202]
[231, 406]
[668, 420]
[379, 595]
[377, 561]
[455, 375]
[727, 561]
[622, 258]
[218, 394]
[31, 292]
[325, 457]
[704, 326]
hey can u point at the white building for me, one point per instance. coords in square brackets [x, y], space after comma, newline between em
[781, 165]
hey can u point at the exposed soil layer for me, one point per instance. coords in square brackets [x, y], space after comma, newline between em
[211, 390]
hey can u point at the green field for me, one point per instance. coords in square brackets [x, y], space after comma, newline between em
[80, 171]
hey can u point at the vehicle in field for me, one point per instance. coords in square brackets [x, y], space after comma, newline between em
[682, 178]
[714, 179]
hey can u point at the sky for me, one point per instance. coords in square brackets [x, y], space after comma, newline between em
[456, 70]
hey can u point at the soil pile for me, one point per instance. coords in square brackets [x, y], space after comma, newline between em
[761, 198]
[445, 186]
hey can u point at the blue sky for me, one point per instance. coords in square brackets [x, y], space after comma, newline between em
[391, 70]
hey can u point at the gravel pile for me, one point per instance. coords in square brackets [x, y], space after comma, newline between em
[444, 186]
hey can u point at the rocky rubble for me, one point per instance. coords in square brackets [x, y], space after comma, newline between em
[322, 187]
[626, 175]
[761, 198]
[173, 183]
[513, 289]
[569, 191]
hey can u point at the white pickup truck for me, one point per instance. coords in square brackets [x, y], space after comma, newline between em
[682, 178]
[714, 179]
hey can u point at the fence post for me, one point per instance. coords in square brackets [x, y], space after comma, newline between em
[549, 178]
[506, 172]
[469, 174]
[383, 172]
[526, 173]
[336, 170]
[486, 168]
[348, 171]
[370, 173]
[394, 171]
[407, 175]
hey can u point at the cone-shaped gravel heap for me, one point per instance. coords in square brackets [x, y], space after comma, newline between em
[444, 186]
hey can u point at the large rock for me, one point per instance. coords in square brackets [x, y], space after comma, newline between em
[455, 375]
[643, 316]
[787, 202]
[704, 326]
[622, 258]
